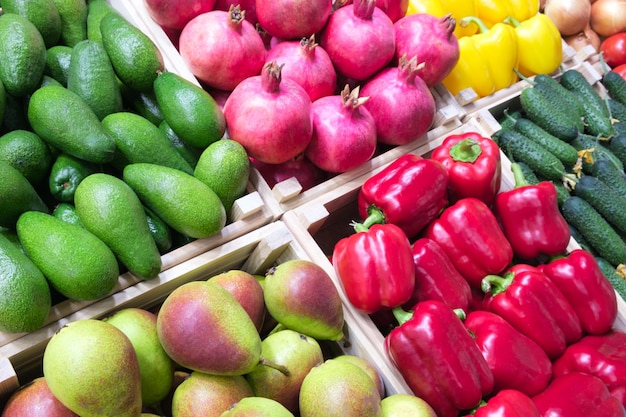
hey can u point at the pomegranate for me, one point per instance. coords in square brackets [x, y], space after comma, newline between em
[300, 168]
[222, 48]
[249, 6]
[174, 14]
[293, 19]
[360, 39]
[269, 116]
[432, 41]
[400, 102]
[344, 132]
[306, 63]
[395, 9]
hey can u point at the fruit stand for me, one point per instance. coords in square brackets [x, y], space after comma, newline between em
[258, 211]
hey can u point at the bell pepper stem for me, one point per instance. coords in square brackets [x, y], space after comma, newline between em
[482, 27]
[466, 150]
[374, 216]
[512, 21]
[496, 284]
[518, 175]
[460, 313]
[402, 315]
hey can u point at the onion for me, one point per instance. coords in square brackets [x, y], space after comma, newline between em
[569, 16]
[432, 41]
[583, 38]
[608, 17]
[400, 102]
[308, 64]
[222, 48]
[359, 39]
[269, 116]
[344, 132]
[293, 19]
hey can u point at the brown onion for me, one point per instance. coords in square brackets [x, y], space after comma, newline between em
[608, 17]
[569, 16]
[583, 38]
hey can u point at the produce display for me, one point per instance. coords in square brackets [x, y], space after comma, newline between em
[472, 272]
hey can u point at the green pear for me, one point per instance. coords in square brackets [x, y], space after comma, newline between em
[368, 368]
[34, 399]
[301, 296]
[206, 395]
[247, 290]
[257, 407]
[296, 352]
[346, 390]
[203, 327]
[92, 368]
[156, 367]
[406, 405]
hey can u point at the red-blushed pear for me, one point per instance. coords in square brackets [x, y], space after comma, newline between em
[247, 290]
[34, 399]
[179, 377]
[206, 395]
[406, 405]
[174, 14]
[257, 407]
[296, 352]
[368, 368]
[301, 296]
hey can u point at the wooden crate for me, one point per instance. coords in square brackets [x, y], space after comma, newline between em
[254, 252]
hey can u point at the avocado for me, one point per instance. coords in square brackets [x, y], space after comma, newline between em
[42, 13]
[58, 59]
[17, 196]
[73, 15]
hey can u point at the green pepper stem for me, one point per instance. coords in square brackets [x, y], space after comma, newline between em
[518, 175]
[374, 216]
[460, 313]
[482, 27]
[401, 315]
[466, 150]
[496, 284]
[511, 20]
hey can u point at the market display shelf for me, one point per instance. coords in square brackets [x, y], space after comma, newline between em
[254, 252]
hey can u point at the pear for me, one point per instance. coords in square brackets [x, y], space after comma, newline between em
[206, 395]
[406, 405]
[155, 366]
[346, 390]
[34, 399]
[301, 296]
[247, 290]
[92, 368]
[296, 352]
[257, 407]
[203, 327]
[368, 368]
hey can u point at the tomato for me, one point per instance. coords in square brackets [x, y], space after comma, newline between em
[621, 70]
[613, 49]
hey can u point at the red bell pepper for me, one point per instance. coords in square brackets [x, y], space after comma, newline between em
[530, 218]
[436, 278]
[410, 192]
[438, 358]
[469, 233]
[578, 395]
[531, 303]
[603, 356]
[507, 403]
[473, 164]
[375, 267]
[587, 289]
[515, 360]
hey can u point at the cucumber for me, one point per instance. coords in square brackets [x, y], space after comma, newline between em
[562, 150]
[595, 229]
[529, 174]
[567, 99]
[508, 120]
[617, 109]
[562, 192]
[539, 159]
[617, 146]
[617, 279]
[615, 86]
[605, 199]
[553, 120]
[580, 239]
[606, 172]
[601, 151]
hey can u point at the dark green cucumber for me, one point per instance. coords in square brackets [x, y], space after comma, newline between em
[615, 85]
[617, 109]
[617, 146]
[561, 149]
[567, 99]
[617, 280]
[529, 174]
[606, 172]
[595, 229]
[600, 151]
[597, 124]
[508, 119]
[580, 239]
[605, 199]
[562, 192]
[553, 120]
[538, 158]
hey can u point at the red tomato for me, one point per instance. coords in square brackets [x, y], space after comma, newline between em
[613, 49]
[621, 70]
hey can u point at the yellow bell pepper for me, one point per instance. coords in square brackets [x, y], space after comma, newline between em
[486, 61]
[540, 45]
[495, 11]
[439, 8]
